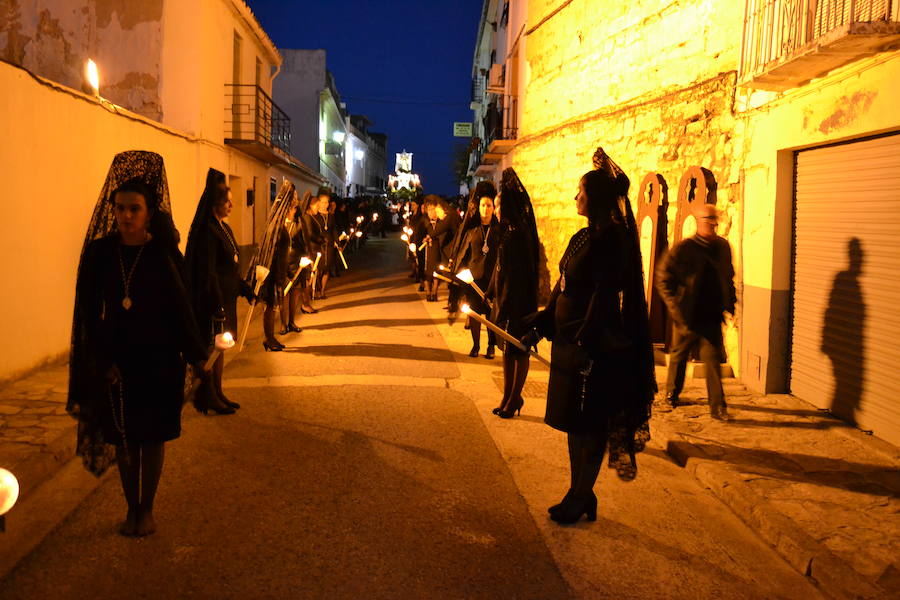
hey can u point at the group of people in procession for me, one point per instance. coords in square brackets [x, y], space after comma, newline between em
[602, 374]
[143, 311]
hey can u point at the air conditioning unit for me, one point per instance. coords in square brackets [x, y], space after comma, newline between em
[496, 78]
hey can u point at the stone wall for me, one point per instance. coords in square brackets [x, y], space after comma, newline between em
[651, 82]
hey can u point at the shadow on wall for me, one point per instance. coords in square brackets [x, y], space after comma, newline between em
[843, 335]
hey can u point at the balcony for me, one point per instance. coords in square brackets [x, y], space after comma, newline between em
[789, 42]
[255, 124]
[501, 121]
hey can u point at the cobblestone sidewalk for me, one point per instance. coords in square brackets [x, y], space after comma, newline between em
[824, 494]
[37, 436]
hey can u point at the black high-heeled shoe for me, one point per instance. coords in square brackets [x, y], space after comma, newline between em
[292, 327]
[514, 407]
[207, 400]
[567, 498]
[571, 511]
[311, 311]
[272, 346]
[490, 353]
[474, 351]
[226, 401]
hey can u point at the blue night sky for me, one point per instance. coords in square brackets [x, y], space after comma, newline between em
[415, 51]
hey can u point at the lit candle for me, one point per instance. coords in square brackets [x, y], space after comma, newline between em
[466, 277]
[224, 341]
[412, 248]
[304, 262]
[404, 237]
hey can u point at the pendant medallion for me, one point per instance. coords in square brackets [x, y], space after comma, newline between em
[126, 303]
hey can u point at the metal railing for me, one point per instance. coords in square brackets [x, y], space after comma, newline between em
[501, 119]
[478, 88]
[774, 29]
[250, 115]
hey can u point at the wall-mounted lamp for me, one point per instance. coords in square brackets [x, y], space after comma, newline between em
[359, 155]
[338, 136]
[91, 78]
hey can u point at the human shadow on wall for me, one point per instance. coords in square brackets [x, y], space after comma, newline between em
[843, 335]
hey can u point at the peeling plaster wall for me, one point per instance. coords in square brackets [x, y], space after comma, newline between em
[53, 38]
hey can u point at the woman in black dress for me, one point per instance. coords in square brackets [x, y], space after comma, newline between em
[431, 247]
[297, 294]
[478, 253]
[133, 330]
[514, 284]
[325, 225]
[273, 254]
[601, 379]
[212, 256]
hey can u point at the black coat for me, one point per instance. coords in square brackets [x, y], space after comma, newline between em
[696, 281]
[584, 320]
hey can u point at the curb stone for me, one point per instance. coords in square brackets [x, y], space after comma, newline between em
[832, 575]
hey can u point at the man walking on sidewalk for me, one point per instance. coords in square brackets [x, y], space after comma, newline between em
[696, 281]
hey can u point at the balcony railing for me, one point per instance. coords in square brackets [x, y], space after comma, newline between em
[789, 42]
[501, 119]
[252, 117]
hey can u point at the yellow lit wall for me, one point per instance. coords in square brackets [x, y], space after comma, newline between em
[653, 85]
[656, 85]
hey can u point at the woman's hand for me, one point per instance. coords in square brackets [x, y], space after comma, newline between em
[531, 339]
[114, 375]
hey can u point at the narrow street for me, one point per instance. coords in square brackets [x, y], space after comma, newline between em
[365, 463]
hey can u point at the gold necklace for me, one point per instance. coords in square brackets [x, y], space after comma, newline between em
[126, 281]
[230, 239]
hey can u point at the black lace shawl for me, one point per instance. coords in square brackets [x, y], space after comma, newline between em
[85, 365]
[629, 431]
[265, 254]
[469, 220]
[516, 212]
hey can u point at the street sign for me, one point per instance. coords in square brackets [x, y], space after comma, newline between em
[462, 130]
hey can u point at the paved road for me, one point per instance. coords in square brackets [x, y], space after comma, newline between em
[365, 464]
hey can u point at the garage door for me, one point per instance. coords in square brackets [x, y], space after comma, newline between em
[845, 346]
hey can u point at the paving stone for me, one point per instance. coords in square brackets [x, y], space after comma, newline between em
[6, 409]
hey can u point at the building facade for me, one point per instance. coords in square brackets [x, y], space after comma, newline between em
[365, 158]
[188, 79]
[307, 91]
[782, 112]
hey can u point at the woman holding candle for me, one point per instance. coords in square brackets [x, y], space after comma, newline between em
[478, 254]
[601, 379]
[295, 272]
[133, 329]
[273, 255]
[514, 284]
[212, 256]
[325, 225]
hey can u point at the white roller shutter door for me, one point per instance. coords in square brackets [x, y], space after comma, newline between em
[848, 192]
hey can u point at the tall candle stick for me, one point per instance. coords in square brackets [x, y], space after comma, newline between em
[261, 274]
[502, 333]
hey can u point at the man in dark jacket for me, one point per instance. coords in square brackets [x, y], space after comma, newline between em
[696, 281]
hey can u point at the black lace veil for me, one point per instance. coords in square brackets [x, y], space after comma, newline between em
[516, 211]
[197, 254]
[84, 370]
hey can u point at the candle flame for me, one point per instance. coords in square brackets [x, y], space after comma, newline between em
[442, 267]
[466, 276]
[359, 234]
[318, 254]
[412, 247]
[93, 76]
[9, 491]
[404, 237]
[465, 308]
[228, 337]
[305, 262]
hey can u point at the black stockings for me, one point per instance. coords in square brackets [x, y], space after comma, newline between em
[475, 330]
[515, 371]
[269, 322]
[585, 458]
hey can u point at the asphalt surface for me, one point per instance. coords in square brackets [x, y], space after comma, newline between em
[365, 463]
